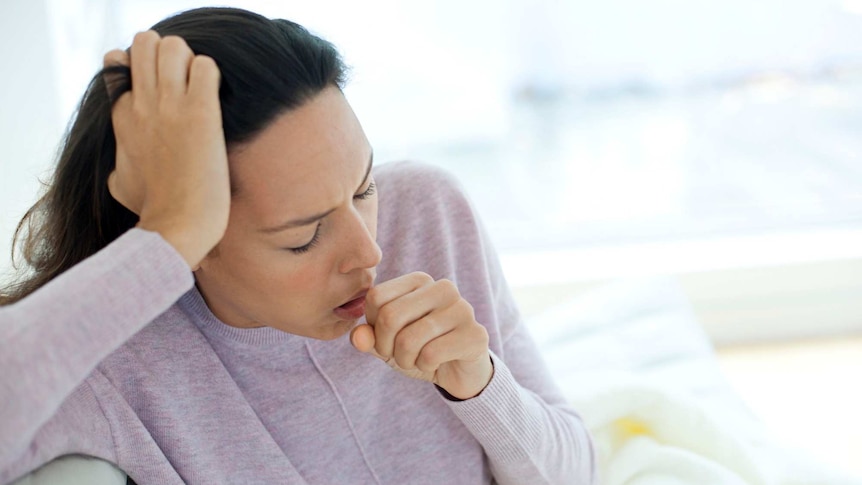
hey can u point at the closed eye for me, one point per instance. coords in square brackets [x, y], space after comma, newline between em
[304, 248]
[368, 193]
[372, 188]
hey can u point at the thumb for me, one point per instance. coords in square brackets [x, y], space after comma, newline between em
[362, 338]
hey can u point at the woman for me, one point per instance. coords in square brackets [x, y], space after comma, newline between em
[231, 151]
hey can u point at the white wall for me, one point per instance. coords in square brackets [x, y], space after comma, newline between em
[30, 126]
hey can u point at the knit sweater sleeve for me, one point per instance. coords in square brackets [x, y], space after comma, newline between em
[526, 438]
[52, 340]
[528, 430]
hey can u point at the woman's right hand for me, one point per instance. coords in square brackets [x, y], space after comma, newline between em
[172, 168]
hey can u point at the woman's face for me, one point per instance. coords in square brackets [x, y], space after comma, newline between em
[301, 240]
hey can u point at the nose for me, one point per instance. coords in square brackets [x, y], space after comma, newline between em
[362, 249]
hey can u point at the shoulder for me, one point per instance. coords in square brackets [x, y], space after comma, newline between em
[415, 172]
[417, 196]
[418, 183]
[170, 345]
[425, 220]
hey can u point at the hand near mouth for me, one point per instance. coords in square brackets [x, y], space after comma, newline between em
[425, 330]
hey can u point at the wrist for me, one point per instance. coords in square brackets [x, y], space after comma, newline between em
[483, 372]
[189, 245]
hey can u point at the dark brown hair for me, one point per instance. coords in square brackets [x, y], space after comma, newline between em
[267, 67]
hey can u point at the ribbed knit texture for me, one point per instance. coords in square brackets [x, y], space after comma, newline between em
[120, 358]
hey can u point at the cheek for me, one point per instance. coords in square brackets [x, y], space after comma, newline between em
[304, 278]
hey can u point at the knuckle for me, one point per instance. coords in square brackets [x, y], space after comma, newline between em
[112, 57]
[173, 44]
[146, 37]
[402, 353]
[428, 358]
[421, 277]
[382, 352]
[447, 285]
[433, 322]
[373, 296]
[463, 306]
[402, 362]
[206, 64]
[406, 343]
[386, 318]
[425, 366]
[481, 335]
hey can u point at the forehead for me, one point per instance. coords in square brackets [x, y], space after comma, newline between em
[302, 162]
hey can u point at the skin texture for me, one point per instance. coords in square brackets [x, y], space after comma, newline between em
[172, 170]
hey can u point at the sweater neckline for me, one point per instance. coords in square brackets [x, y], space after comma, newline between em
[209, 324]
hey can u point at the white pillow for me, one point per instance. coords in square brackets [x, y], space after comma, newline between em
[644, 327]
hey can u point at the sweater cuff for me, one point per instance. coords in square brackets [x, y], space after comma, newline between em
[501, 417]
[449, 397]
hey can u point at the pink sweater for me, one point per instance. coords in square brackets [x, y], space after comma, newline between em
[119, 358]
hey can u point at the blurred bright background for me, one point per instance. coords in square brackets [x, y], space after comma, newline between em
[716, 141]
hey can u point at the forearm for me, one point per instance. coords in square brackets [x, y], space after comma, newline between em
[526, 439]
[53, 339]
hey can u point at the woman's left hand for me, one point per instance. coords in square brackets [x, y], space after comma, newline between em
[426, 330]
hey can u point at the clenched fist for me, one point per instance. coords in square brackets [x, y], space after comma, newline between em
[426, 330]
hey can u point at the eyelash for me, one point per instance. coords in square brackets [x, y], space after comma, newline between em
[372, 188]
[311, 244]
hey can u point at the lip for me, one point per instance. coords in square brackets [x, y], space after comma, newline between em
[353, 308]
[359, 294]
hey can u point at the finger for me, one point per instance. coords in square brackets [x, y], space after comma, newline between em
[438, 351]
[204, 78]
[410, 341]
[114, 74]
[387, 291]
[405, 310]
[174, 60]
[362, 338]
[116, 57]
[143, 55]
[460, 344]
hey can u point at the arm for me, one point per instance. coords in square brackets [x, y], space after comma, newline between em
[528, 439]
[53, 339]
[529, 432]
[171, 170]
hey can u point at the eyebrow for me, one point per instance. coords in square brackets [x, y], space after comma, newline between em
[316, 217]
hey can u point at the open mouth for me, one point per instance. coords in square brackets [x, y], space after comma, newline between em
[353, 309]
